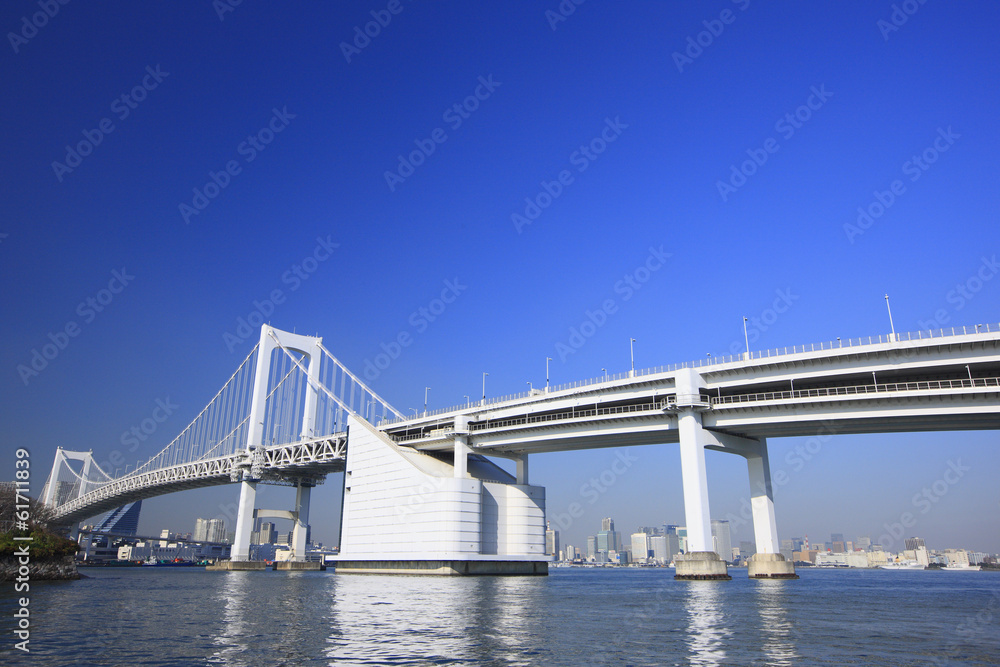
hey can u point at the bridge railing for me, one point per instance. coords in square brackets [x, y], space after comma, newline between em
[716, 361]
[926, 385]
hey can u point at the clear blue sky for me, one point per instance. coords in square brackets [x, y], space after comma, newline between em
[624, 146]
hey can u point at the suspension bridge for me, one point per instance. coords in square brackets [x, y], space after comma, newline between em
[421, 493]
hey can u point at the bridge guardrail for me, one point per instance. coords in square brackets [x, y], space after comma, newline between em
[573, 414]
[856, 390]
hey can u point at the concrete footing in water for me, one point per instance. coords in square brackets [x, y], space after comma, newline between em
[237, 565]
[701, 565]
[770, 566]
[442, 567]
[295, 566]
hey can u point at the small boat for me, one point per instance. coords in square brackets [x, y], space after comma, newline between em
[963, 567]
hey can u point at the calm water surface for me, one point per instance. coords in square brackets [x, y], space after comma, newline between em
[186, 616]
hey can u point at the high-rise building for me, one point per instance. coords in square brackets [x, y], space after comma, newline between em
[640, 546]
[605, 541]
[215, 531]
[591, 547]
[608, 524]
[863, 543]
[200, 529]
[673, 545]
[264, 533]
[747, 549]
[551, 541]
[722, 540]
[914, 542]
[658, 545]
[122, 520]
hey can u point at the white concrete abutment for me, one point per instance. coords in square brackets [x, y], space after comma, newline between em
[410, 512]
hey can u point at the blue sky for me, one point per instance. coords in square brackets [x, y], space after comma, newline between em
[743, 139]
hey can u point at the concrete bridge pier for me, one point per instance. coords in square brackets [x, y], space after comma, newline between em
[244, 521]
[700, 561]
[767, 563]
[299, 532]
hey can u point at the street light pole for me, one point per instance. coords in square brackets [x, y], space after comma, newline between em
[631, 351]
[547, 360]
[746, 337]
[891, 326]
[484, 387]
[426, 389]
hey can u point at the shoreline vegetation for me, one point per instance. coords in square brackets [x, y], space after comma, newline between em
[31, 543]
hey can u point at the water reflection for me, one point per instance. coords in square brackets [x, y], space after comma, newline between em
[778, 642]
[232, 637]
[385, 619]
[507, 615]
[707, 633]
[440, 620]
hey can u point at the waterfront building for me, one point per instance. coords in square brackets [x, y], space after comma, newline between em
[591, 548]
[640, 546]
[914, 542]
[878, 557]
[658, 546]
[551, 541]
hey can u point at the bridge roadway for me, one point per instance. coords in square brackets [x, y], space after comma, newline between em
[919, 384]
[308, 461]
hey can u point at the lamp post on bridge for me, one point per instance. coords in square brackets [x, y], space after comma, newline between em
[484, 387]
[746, 338]
[426, 389]
[891, 325]
[631, 352]
[547, 360]
[466, 400]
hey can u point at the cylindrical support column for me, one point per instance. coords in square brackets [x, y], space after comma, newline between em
[299, 532]
[462, 452]
[244, 521]
[765, 527]
[522, 470]
[695, 482]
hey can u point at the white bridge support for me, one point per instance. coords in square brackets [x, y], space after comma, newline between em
[270, 340]
[700, 561]
[767, 563]
[302, 493]
[409, 512]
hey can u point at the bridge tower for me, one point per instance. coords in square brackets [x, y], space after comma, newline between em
[270, 340]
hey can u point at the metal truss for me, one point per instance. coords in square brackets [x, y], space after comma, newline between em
[307, 462]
